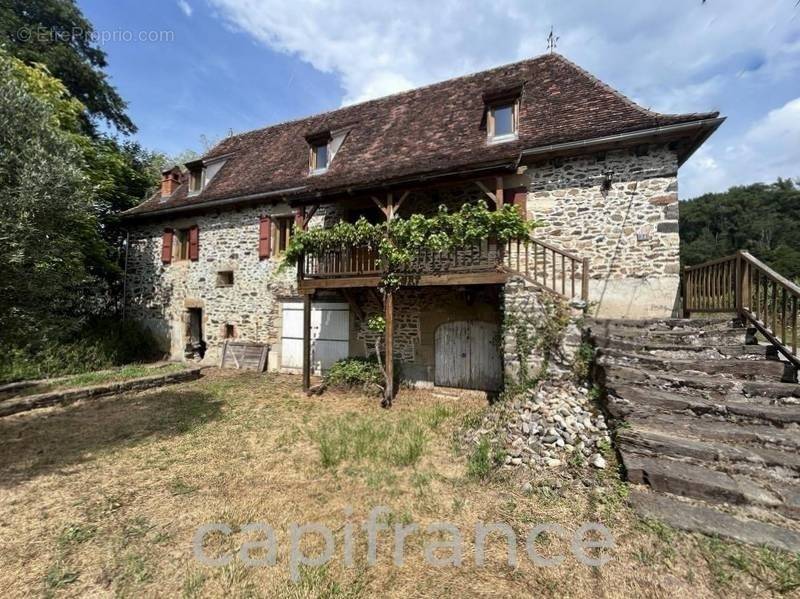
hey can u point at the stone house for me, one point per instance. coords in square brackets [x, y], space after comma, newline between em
[594, 169]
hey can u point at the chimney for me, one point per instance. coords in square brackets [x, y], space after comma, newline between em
[170, 179]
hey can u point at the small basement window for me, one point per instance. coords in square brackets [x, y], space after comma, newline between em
[319, 157]
[502, 121]
[225, 278]
[229, 332]
[282, 233]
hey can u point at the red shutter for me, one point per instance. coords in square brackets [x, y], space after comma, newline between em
[517, 196]
[299, 217]
[194, 244]
[166, 246]
[264, 237]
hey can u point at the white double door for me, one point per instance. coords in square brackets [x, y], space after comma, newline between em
[330, 335]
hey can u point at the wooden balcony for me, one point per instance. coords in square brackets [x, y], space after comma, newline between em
[480, 263]
[484, 263]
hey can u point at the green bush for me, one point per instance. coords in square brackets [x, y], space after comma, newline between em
[102, 344]
[350, 373]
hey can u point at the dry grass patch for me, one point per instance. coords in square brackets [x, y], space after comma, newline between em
[102, 498]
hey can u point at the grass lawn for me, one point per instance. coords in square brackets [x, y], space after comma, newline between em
[88, 379]
[102, 498]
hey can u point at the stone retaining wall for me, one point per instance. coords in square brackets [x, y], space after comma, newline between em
[65, 396]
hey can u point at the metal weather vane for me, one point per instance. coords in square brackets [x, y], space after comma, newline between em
[552, 40]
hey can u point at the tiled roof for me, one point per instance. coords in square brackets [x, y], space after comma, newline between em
[431, 129]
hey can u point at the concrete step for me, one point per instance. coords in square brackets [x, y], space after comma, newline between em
[699, 517]
[743, 369]
[712, 385]
[624, 400]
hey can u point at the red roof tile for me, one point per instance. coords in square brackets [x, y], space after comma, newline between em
[431, 129]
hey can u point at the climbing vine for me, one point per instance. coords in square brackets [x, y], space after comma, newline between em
[399, 240]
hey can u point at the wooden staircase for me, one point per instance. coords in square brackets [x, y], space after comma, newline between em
[705, 428]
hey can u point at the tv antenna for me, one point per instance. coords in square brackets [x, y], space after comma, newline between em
[552, 40]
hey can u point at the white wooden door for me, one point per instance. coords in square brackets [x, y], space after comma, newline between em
[330, 334]
[467, 355]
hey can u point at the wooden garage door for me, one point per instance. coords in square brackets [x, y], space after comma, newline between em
[330, 333]
[468, 355]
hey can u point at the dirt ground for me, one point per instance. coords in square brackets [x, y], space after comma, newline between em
[103, 498]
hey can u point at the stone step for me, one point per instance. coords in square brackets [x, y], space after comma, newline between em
[712, 428]
[624, 400]
[743, 369]
[711, 352]
[697, 517]
[660, 324]
[665, 475]
[721, 386]
[640, 439]
[676, 337]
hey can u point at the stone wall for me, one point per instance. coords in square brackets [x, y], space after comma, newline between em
[628, 231]
[159, 295]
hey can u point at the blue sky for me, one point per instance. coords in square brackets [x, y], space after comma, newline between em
[243, 64]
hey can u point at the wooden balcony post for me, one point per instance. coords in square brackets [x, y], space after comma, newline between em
[585, 280]
[388, 305]
[306, 341]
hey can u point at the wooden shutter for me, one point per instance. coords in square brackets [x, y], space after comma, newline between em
[518, 197]
[166, 246]
[264, 237]
[194, 243]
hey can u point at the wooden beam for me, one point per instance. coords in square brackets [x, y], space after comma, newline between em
[310, 214]
[499, 194]
[306, 342]
[348, 296]
[389, 316]
[485, 190]
[491, 277]
[380, 205]
[400, 201]
[389, 206]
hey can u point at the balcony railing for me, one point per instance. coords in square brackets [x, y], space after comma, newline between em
[542, 264]
[486, 256]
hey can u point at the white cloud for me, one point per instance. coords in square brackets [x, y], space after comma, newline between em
[687, 58]
[769, 149]
[185, 7]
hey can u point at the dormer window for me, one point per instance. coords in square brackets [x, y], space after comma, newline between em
[502, 121]
[195, 181]
[319, 157]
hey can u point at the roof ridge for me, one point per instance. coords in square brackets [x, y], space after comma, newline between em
[381, 99]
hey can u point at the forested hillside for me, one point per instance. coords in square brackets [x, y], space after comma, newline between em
[761, 218]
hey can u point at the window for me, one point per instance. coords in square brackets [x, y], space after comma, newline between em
[281, 233]
[183, 244]
[225, 278]
[319, 157]
[502, 121]
[195, 181]
[228, 331]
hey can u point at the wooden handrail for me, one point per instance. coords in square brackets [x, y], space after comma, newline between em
[742, 284]
[548, 267]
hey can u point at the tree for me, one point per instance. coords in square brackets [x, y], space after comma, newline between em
[56, 34]
[763, 219]
[45, 216]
